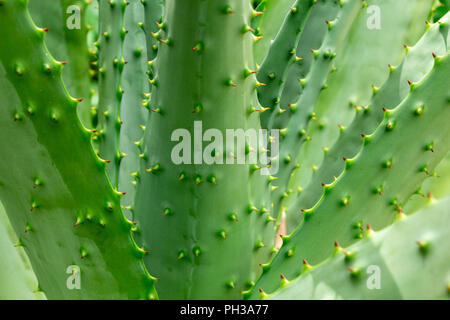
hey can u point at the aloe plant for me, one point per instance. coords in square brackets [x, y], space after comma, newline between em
[123, 139]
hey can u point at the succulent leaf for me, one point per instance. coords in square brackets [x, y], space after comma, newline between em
[133, 111]
[17, 278]
[387, 259]
[183, 202]
[416, 64]
[68, 43]
[62, 218]
[280, 57]
[315, 80]
[343, 202]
